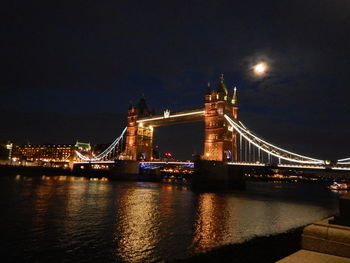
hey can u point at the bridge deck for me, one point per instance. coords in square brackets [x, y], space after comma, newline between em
[175, 118]
[191, 164]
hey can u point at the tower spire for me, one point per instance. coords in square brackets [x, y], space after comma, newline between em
[142, 108]
[222, 78]
[234, 100]
[208, 88]
[222, 87]
[130, 105]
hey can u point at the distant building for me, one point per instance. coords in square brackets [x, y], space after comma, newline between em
[44, 153]
[5, 153]
[82, 146]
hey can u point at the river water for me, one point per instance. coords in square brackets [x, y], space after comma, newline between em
[72, 219]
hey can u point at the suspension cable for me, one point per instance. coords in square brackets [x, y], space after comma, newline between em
[256, 140]
[105, 152]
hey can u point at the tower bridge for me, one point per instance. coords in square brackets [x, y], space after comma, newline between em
[220, 142]
[227, 141]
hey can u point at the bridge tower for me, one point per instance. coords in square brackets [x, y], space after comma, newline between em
[220, 139]
[139, 138]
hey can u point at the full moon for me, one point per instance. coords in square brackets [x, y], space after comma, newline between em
[260, 68]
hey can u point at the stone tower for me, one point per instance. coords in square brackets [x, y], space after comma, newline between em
[139, 138]
[220, 139]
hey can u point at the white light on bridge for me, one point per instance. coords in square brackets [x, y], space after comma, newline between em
[171, 116]
[273, 150]
[246, 163]
[345, 159]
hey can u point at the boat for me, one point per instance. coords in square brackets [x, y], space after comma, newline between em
[339, 186]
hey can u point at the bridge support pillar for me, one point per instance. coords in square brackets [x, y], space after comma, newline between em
[216, 175]
[125, 170]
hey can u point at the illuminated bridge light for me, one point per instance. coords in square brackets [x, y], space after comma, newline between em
[247, 164]
[301, 166]
[270, 148]
[171, 116]
[153, 165]
[299, 161]
[345, 159]
[92, 162]
[105, 152]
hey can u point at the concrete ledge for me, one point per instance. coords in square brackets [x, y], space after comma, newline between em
[344, 211]
[306, 256]
[327, 238]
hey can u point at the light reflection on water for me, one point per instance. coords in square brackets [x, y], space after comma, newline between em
[67, 218]
[137, 219]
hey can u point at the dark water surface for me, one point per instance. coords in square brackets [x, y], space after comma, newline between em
[72, 219]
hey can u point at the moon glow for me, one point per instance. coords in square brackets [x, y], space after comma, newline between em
[260, 69]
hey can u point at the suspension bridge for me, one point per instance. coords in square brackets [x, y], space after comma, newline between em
[227, 139]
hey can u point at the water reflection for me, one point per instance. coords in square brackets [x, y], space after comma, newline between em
[137, 224]
[77, 219]
[210, 226]
[236, 217]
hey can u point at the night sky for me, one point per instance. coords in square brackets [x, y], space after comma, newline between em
[69, 69]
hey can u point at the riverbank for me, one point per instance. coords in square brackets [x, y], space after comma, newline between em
[260, 249]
